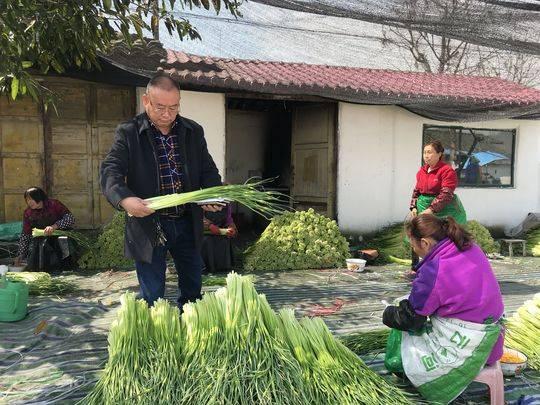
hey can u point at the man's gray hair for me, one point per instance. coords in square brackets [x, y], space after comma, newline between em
[162, 81]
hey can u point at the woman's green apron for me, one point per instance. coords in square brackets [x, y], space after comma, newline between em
[453, 209]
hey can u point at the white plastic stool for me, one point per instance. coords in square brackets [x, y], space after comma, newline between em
[492, 376]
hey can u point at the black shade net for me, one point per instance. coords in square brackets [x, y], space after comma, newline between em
[506, 25]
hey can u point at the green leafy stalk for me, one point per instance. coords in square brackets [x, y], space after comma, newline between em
[82, 240]
[523, 330]
[265, 203]
[230, 347]
[366, 342]
[41, 283]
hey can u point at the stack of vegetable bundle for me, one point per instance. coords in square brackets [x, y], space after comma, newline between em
[298, 240]
[523, 331]
[231, 348]
[392, 244]
[482, 237]
[41, 283]
[108, 251]
[366, 342]
[533, 242]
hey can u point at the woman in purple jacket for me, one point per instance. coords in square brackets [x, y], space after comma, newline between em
[454, 280]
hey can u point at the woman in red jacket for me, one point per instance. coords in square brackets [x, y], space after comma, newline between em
[433, 193]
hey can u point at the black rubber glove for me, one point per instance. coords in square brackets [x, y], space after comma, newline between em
[403, 317]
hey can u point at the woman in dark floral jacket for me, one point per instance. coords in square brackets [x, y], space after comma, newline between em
[44, 253]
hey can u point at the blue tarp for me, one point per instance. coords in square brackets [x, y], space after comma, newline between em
[10, 231]
[484, 158]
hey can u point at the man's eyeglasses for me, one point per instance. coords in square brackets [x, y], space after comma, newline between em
[161, 109]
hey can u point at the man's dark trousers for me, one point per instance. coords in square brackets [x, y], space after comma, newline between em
[187, 260]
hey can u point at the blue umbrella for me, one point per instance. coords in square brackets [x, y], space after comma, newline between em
[486, 157]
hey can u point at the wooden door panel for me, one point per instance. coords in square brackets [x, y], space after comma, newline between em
[22, 107]
[21, 136]
[78, 205]
[114, 104]
[71, 139]
[21, 154]
[106, 210]
[73, 102]
[71, 174]
[14, 207]
[21, 172]
[69, 152]
[105, 137]
[311, 169]
[77, 135]
[313, 161]
[311, 125]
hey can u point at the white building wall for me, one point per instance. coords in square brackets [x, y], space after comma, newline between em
[379, 152]
[208, 109]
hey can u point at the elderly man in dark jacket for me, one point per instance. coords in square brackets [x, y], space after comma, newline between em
[157, 153]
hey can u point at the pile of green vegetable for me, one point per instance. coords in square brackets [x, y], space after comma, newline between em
[392, 244]
[231, 348]
[298, 240]
[108, 251]
[523, 331]
[41, 283]
[209, 280]
[533, 242]
[482, 237]
[366, 342]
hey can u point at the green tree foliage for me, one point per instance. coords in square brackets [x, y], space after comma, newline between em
[39, 36]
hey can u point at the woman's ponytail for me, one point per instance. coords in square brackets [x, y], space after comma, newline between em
[457, 233]
[428, 225]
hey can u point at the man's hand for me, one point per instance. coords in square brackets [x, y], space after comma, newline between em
[214, 230]
[427, 211]
[136, 207]
[414, 212]
[231, 232]
[212, 208]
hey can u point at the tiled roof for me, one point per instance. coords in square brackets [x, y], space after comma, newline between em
[434, 95]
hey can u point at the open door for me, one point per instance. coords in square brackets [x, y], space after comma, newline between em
[313, 180]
